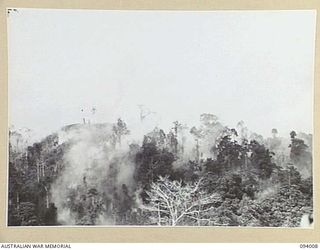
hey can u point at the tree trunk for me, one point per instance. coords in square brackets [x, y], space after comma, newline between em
[42, 170]
[120, 140]
[245, 161]
[18, 203]
[159, 216]
[38, 173]
[197, 152]
[173, 222]
[47, 197]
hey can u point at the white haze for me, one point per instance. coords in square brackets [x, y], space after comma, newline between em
[255, 66]
[90, 155]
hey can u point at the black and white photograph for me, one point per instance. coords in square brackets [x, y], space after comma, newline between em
[154, 118]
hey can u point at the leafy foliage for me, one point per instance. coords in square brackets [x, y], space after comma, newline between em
[226, 178]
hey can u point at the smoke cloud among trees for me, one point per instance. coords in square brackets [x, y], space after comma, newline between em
[211, 175]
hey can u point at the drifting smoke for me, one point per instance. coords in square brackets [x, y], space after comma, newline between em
[95, 175]
[267, 192]
[89, 164]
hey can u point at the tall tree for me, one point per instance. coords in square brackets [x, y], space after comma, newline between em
[298, 149]
[151, 162]
[198, 135]
[300, 155]
[229, 153]
[261, 159]
[178, 130]
[120, 129]
[274, 132]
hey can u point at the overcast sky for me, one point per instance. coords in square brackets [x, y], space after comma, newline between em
[255, 66]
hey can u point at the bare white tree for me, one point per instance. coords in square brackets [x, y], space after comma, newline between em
[172, 202]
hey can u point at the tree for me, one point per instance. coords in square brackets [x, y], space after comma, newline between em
[152, 162]
[198, 135]
[244, 150]
[274, 142]
[120, 129]
[293, 177]
[242, 130]
[89, 207]
[256, 137]
[156, 136]
[229, 153]
[300, 155]
[213, 167]
[298, 150]
[209, 120]
[50, 217]
[293, 134]
[212, 130]
[178, 130]
[261, 159]
[207, 134]
[172, 203]
[274, 132]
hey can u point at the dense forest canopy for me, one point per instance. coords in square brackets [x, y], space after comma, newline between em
[209, 175]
